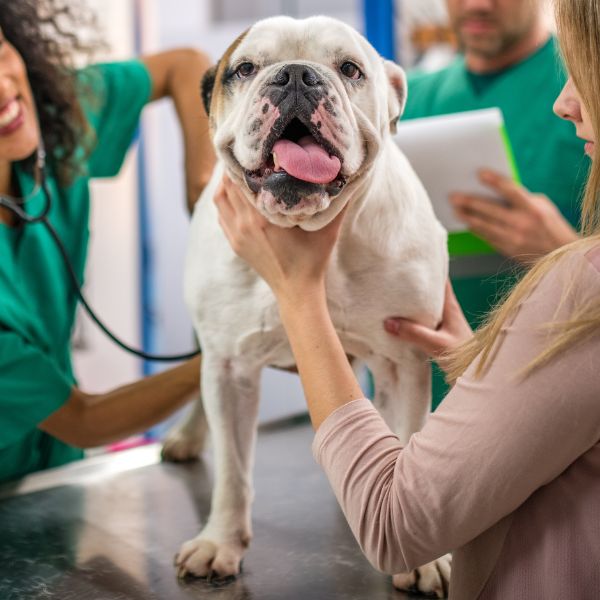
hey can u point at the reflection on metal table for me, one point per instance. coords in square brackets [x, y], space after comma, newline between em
[107, 528]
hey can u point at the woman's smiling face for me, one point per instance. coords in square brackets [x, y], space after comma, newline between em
[19, 131]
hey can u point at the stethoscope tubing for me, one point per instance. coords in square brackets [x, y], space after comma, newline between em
[42, 218]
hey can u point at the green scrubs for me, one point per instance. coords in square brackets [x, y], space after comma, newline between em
[549, 157]
[37, 304]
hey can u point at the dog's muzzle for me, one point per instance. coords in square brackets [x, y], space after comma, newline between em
[297, 159]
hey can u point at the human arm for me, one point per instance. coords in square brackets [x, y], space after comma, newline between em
[114, 95]
[294, 263]
[453, 330]
[524, 228]
[491, 444]
[87, 420]
[177, 74]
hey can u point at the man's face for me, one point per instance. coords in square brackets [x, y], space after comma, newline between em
[491, 27]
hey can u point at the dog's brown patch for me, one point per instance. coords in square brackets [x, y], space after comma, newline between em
[217, 99]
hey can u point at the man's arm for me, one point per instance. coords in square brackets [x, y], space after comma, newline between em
[177, 74]
[88, 420]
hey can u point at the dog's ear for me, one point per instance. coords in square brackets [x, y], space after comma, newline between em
[397, 92]
[207, 86]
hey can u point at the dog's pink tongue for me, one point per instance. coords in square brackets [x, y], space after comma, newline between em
[306, 160]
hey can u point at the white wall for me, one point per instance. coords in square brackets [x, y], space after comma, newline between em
[112, 272]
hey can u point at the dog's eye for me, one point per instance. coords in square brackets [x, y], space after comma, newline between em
[351, 71]
[245, 70]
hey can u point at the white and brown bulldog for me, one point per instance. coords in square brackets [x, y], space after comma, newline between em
[301, 113]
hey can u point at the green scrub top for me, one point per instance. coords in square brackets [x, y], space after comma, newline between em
[37, 304]
[549, 157]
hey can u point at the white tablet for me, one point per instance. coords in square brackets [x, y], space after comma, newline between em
[448, 151]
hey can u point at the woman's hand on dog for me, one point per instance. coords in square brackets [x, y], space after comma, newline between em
[292, 261]
[453, 331]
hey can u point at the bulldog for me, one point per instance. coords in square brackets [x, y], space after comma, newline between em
[301, 115]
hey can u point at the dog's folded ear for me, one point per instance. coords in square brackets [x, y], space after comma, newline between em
[397, 92]
[207, 86]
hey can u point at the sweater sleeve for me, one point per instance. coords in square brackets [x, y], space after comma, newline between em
[492, 442]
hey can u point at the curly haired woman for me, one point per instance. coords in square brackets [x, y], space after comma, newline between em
[506, 473]
[86, 120]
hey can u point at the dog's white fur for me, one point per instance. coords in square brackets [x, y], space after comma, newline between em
[390, 260]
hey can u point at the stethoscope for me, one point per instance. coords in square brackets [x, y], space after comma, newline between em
[16, 206]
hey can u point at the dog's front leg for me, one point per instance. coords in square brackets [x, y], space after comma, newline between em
[402, 391]
[403, 398]
[230, 392]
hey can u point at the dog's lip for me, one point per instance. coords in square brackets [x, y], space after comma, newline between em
[256, 181]
[256, 177]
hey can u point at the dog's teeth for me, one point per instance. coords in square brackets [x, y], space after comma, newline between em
[276, 162]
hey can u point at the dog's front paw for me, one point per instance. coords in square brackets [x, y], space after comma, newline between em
[180, 445]
[203, 557]
[432, 579]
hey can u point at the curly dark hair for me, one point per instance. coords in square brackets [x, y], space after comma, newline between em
[44, 34]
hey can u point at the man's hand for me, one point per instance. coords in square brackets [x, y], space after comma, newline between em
[451, 333]
[524, 228]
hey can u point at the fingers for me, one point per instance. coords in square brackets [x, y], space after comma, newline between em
[483, 207]
[428, 340]
[493, 232]
[221, 199]
[233, 215]
[453, 331]
[235, 197]
[509, 189]
[332, 229]
[233, 204]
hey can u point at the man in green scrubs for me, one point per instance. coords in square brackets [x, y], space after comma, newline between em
[45, 420]
[510, 60]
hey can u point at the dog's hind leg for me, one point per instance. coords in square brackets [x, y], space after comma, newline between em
[403, 398]
[187, 438]
[231, 393]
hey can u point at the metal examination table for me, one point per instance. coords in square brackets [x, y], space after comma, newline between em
[107, 528]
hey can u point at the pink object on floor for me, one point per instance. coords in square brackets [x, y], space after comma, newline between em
[132, 442]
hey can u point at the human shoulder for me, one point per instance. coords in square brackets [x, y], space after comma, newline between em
[419, 79]
[584, 253]
[574, 279]
[99, 83]
[113, 96]
[592, 255]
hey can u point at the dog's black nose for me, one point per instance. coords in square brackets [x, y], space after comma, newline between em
[297, 77]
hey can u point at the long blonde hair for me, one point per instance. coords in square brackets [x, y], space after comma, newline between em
[578, 24]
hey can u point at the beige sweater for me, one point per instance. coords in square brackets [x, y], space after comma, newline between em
[506, 473]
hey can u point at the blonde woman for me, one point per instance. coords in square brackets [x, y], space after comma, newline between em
[506, 474]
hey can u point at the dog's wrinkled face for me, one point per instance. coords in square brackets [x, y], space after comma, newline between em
[298, 110]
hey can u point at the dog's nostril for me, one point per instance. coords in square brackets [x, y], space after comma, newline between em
[296, 74]
[282, 77]
[310, 77]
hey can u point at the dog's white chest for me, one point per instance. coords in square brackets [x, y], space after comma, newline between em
[368, 280]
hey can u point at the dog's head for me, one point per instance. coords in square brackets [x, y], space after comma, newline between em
[298, 110]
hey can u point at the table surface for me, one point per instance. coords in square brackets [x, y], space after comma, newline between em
[107, 528]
